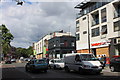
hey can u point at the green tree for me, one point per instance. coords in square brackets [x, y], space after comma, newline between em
[23, 52]
[6, 38]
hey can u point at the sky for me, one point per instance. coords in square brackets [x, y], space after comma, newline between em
[31, 21]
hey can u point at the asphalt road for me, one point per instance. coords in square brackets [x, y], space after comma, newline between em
[17, 70]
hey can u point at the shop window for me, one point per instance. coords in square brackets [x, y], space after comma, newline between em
[117, 26]
[104, 30]
[95, 32]
[103, 15]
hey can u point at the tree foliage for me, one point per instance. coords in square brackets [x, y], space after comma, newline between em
[23, 52]
[6, 38]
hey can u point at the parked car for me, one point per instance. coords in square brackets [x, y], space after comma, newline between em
[36, 65]
[8, 61]
[115, 64]
[56, 63]
[13, 60]
[82, 63]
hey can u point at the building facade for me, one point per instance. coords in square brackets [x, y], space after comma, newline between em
[98, 28]
[40, 48]
[59, 46]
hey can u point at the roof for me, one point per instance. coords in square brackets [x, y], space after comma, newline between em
[83, 4]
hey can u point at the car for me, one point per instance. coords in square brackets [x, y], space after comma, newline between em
[56, 63]
[36, 65]
[8, 61]
[13, 60]
[84, 63]
[115, 64]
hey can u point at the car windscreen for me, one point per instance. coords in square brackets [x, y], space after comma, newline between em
[88, 57]
[58, 61]
[40, 61]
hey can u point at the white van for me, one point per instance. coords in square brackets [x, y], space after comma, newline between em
[82, 62]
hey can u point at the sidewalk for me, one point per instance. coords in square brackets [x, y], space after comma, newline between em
[106, 69]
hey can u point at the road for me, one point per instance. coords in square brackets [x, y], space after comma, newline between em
[17, 70]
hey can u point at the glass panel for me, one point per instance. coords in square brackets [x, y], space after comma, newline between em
[117, 26]
[104, 29]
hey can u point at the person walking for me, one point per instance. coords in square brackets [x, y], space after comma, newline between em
[104, 63]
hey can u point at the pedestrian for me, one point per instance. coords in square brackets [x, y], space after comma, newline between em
[99, 57]
[104, 63]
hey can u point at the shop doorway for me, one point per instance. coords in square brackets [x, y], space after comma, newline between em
[94, 51]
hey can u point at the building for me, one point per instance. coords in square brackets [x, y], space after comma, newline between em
[60, 45]
[98, 28]
[40, 48]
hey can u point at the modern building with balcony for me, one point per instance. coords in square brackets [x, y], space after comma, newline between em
[98, 27]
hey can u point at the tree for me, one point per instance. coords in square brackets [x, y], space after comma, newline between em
[6, 37]
[23, 52]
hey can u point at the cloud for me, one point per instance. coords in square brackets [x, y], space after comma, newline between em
[28, 23]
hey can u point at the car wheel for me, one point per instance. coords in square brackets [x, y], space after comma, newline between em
[67, 69]
[112, 68]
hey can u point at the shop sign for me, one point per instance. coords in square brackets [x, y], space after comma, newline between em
[98, 44]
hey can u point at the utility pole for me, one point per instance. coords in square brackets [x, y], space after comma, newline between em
[88, 34]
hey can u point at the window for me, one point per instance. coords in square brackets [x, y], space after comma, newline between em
[84, 32]
[77, 22]
[103, 15]
[72, 43]
[57, 43]
[65, 43]
[95, 32]
[95, 18]
[77, 37]
[84, 18]
[104, 30]
[77, 29]
[117, 26]
[117, 11]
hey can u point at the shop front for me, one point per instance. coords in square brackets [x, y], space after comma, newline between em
[114, 47]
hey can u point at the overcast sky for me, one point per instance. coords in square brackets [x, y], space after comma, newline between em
[31, 21]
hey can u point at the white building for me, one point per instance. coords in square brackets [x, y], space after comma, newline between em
[41, 47]
[101, 20]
